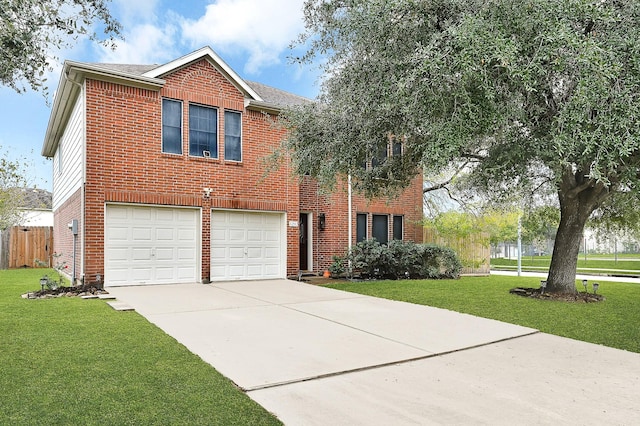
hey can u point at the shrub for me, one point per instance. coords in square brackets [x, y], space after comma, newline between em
[400, 259]
[338, 267]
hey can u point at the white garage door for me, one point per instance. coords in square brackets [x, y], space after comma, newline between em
[247, 245]
[151, 245]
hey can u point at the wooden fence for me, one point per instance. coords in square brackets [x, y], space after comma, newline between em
[474, 251]
[22, 246]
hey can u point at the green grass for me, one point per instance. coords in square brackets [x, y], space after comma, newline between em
[592, 264]
[74, 361]
[614, 322]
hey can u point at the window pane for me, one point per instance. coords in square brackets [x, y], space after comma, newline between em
[380, 229]
[232, 136]
[397, 228]
[203, 131]
[397, 148]
[380, 157]
[361, 227]
[171, 126]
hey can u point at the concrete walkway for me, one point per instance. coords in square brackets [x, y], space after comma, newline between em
[317, 356]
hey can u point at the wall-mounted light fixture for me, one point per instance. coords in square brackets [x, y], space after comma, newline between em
[322, 221]
[207, 192]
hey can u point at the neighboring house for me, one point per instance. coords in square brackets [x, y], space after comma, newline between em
[28, 243]
[36, 208]
[163, 169]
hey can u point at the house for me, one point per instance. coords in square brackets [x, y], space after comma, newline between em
[159, 176]
[36, 207]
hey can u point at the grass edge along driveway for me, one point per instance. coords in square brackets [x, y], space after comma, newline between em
[74, 361]
[614, 322]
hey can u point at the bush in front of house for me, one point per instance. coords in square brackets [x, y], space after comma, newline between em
[399, 259]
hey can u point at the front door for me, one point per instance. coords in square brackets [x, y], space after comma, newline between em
[304, 241]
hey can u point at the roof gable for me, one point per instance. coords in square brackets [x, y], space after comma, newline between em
[214, 59]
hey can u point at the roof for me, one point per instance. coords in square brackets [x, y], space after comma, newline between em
[269, 95]
[35, 199]
[258, 96]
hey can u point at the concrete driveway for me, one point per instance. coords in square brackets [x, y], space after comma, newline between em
[317, 356]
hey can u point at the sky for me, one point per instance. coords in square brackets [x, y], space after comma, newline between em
[252, 36]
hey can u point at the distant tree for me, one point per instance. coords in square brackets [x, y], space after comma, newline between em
[518, 93]
[539, 224]
[12, 184]
[30, 31]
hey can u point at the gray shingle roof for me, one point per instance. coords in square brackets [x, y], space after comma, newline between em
[276, 96]
[270, 95]
[127, 68]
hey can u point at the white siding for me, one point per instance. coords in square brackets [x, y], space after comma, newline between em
[68, 159]
[37, 218]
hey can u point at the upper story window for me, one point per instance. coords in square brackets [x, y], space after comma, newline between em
[203, 131]
[232, 136]
[171, 126]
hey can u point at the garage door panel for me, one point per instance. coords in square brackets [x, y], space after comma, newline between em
[141, 213]
[254, 235]
[117, 234]
[141, 254]
[141, 234]
[187, 235]
[235, 253]
[247, 245]
[165, 234]
[151, 245]
[186, 253]
[236, 234]
[165, 254]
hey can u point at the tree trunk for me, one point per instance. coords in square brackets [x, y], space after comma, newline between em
[579, 197]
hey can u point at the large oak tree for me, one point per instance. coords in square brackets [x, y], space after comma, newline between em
[518, 93]
[31, 31]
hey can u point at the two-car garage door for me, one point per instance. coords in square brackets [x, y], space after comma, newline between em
[161, 245]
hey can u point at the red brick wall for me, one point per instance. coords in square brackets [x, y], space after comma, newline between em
[63, 237]
[125, 162]
[333, 240]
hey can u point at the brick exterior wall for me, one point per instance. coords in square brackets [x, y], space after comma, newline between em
[125, 162]
[334, 240]
[62, 236]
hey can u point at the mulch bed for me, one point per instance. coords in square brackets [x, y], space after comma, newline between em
[79, 291]
[536, 293]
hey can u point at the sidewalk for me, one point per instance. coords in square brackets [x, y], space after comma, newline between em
[590, 278]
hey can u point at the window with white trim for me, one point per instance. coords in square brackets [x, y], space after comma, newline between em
[171, 126]
[232, 136]
[203, 131]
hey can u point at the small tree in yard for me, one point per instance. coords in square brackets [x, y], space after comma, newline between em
[12, 183]
[521, 94]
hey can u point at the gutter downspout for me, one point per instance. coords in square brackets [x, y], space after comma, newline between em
[349, 217]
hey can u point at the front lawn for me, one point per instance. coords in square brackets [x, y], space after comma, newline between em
[74, 361]
[614, 322]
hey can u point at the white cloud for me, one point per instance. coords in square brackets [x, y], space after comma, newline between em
[144, 44]
[261, 28]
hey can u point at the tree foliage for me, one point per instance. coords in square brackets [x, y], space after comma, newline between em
[12, 183]
[31, 30]
[523, 93]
